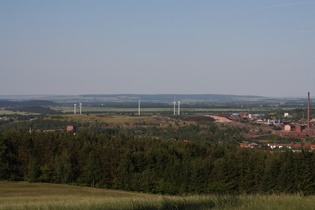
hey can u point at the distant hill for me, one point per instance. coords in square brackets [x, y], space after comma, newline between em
[22, 103]
[22, 97]
[34, 109]
[150, 100]
[154, 98]
[171, 97]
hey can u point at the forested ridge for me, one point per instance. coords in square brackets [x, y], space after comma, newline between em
[124, 162]
[204, 131]
[15, 103]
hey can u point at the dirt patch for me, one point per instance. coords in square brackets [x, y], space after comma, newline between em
[199, 118]
[221, 119]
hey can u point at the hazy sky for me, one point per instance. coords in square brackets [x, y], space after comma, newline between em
[244, 47]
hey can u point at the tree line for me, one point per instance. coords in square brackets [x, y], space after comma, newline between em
[118, 161]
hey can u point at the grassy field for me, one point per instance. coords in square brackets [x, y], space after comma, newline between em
[68, 109]
[7, 112]
[110, 119]
[121, 120]
[108, 109]
[23, 195]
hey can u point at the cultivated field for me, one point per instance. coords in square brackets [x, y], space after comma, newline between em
[23, 195]
[88, 109]
[7, 112]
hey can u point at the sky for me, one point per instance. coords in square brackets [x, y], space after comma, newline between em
[73, 47]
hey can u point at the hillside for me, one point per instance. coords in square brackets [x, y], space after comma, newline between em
[22, 103]
[153, 98]
[24, 195]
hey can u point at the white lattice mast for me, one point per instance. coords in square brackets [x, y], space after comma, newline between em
[80, 106]
[139, 107]
[178, 107]
[174, 107]
[74, 108]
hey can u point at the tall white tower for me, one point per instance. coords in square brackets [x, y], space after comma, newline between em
[174, 107]
[178, 107]
[80, 105]
[74, 108]
[139, 111]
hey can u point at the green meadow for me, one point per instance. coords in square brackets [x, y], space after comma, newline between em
[8, 112]
[90, 109]
[103, 118]
[24, 195]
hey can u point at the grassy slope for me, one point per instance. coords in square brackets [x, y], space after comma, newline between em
[23, 195]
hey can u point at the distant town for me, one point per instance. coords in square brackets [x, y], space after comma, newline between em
[267, 122]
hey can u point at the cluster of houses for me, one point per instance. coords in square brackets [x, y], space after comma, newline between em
[297, 131]
[292, 130]
[242, 116]
[293, 147]
[257, 118]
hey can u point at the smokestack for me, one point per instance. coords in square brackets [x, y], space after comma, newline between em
[309, 111]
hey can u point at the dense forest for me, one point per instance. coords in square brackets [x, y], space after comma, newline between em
[122, 161]
[34, 123]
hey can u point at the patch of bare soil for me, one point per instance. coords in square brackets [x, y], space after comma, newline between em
[205, 118]
[219, 119]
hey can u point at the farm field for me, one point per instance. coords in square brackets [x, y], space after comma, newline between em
[7, 112]
[24, 195]
[85, 110]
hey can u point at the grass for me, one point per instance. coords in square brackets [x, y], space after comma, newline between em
[7, 112]
[275, 202]
[68, 109]
[23, 195]
[110, 119]
[110, 109]
[121, 120]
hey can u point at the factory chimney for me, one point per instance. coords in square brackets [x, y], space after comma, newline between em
[308, 111]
